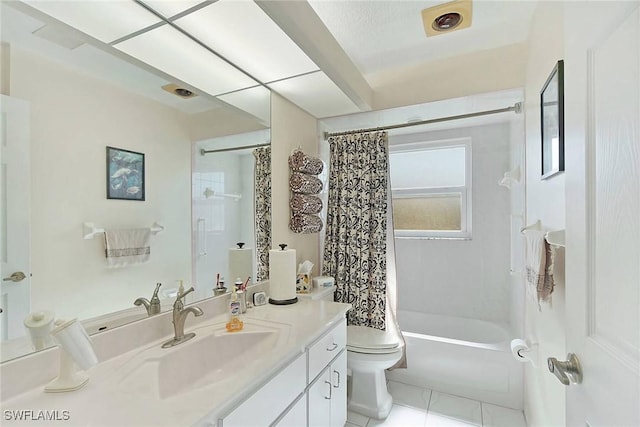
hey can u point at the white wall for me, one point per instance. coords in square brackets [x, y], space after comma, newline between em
[545, 200]
[475, 73]
[290, 128]
[465, 278]
[73, 119]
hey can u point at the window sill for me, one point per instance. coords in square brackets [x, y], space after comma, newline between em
[431, 238]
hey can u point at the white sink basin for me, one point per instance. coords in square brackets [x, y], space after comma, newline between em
[213, 356]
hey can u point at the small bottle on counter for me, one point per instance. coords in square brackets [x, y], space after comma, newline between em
[234, 324]
[219, 289]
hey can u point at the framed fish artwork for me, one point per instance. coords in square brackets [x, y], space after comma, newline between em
[125, 174]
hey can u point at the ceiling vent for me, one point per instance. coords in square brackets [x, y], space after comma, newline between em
[447, 17]
[179, 91]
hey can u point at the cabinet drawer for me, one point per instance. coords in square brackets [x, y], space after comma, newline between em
[266, 405]
[326, 348]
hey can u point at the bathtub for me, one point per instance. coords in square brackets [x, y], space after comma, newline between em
[465, 357]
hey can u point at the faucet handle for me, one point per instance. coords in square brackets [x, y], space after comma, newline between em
[184, 294]
[155, 293]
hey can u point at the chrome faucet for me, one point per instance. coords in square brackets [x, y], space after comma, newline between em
[153, 306]
[179, 316]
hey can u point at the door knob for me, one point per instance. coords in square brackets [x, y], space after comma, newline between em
[18, 276]
[568, 372]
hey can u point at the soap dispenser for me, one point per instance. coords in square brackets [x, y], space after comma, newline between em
[234, 324]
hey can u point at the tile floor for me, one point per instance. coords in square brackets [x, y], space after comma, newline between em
[419, 407]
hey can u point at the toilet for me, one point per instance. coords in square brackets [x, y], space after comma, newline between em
[369, 352]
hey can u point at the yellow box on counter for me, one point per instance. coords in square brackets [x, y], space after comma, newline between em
[303, 283]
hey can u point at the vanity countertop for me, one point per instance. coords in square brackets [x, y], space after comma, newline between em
[108, 400]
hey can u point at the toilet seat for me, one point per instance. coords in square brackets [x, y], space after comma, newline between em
[362, 339]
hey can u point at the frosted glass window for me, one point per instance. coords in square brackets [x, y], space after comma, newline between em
[431, 189]
[431, 212]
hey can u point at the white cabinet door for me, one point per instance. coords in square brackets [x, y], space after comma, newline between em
[271, 400]
[339, 393]
[319, 400]
[327, 397]
[297, 415]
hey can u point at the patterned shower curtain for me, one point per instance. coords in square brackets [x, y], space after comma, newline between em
[262, 203]
[356, 232]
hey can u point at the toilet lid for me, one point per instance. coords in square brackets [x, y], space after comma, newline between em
[363, 339]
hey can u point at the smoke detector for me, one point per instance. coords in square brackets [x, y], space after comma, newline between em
[179, 91]
[447, 17]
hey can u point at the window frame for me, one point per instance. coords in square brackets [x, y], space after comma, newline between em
[464, 191]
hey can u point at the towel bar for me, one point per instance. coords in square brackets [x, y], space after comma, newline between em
[89, 229]
[535, 226]
[554, 238]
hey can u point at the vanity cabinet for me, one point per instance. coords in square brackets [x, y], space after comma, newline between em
[310, 391]
[296, 416]
[327, 396]
[264, 406]
[327, 391]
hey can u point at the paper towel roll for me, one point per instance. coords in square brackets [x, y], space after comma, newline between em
[522, 352]
[282, 276]
[240, 263]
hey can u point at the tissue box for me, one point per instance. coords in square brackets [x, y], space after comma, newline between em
[321, 282]
[303, 283]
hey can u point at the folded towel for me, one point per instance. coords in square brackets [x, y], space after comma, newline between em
[300, 162]
[305, 184]
[305, 223]
[127, 247]
[538, 265]
[305, 204]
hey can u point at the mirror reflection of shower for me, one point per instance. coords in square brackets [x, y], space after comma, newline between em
[222, 205]
[208, 192]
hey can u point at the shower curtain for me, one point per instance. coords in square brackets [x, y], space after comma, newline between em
[359, 249]
[262, 205]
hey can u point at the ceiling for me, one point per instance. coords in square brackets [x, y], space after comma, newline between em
[383, 35]
[318, 54]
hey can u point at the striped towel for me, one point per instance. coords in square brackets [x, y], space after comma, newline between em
[127, 247]
[538, 266]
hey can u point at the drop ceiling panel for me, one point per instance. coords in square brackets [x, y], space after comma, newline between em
[241, 32]
[169, 8]
[105, 20]
[316, 94]
[170, 51]
[255, 101]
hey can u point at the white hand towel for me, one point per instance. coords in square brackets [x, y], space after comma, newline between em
[127, 247]
[538, 266]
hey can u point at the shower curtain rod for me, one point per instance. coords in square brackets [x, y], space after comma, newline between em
[517, 108]
[220, 150]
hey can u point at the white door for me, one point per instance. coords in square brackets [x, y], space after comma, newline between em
[602, 112]
[14, 221]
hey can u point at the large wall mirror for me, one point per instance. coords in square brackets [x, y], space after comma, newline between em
[68, 96]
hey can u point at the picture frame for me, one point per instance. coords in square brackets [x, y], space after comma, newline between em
[125, 174]
[552, 122]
